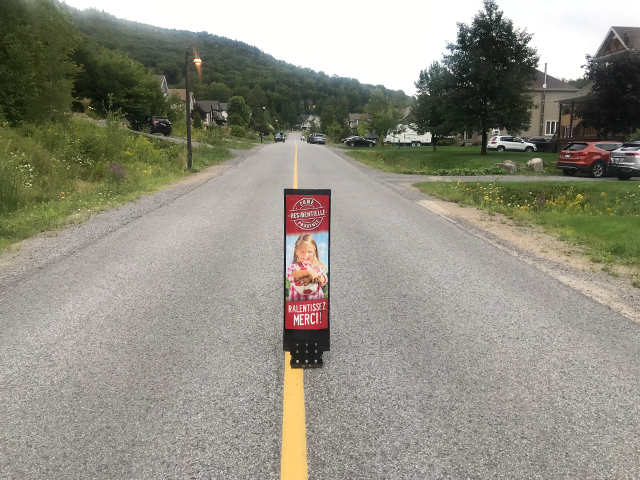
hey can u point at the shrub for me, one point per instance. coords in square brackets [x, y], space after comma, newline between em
[116, 172]
[238, 131]
[443, 142]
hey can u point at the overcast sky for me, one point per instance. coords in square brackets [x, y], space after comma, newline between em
[384, 43]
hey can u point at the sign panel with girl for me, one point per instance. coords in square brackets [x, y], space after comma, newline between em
[307, 277]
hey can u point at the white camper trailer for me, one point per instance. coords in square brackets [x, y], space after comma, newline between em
[408, 137]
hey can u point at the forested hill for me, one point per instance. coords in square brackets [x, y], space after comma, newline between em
[229, 68]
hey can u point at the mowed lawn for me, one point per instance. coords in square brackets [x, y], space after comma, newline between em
[602, 217]
[448, 160]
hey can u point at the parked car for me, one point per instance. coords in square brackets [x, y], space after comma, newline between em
[359, 142]
[345, 140]
[372, 137]
[588, 157]
[279, 137]
[318, 138]
[541, 143]
[505, 142]
[625, 161]
[153, 124]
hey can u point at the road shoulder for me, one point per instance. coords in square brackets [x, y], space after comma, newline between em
[32, 254]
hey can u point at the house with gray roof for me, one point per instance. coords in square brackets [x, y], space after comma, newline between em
[306, 121]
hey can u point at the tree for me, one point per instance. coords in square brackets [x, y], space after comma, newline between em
[363, 127]
[335, 131]
[21, 55]
[219, 91]
[492, 67]
[384, 116]
[197, 121]
[266, 122]
[613, 104]
[112, 80]
[431, 111]
[59, 38]
[238, 111]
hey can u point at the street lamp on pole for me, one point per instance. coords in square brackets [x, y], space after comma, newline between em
[198, 62]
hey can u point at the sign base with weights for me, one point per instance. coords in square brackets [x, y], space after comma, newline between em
[307, 285]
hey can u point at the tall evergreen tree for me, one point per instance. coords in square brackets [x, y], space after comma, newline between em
[492, 67]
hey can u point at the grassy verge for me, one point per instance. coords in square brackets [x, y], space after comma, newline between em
[602, 217]
[457, 161]
[58, 174]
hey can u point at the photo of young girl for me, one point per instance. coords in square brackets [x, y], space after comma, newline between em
[306, 273]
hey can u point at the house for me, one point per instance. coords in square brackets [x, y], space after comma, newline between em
[617, 40]
[212, 112]
[206, 109]
[223, 113]
[355, 119]
[162, 80]
[306, 122]
[544, 116]
[182, 93]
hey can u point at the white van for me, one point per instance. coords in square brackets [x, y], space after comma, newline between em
[408, 137]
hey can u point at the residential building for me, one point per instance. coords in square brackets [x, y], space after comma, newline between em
[182, 93]
[306, 121]
[355, 119]
[616, 41]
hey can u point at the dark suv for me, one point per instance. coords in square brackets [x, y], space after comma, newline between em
[153, 124]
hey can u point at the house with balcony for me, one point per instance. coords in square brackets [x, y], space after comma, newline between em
[569, 127]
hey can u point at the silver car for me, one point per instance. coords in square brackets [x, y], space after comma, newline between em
[624, 162]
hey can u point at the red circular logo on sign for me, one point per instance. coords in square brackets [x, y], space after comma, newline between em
[307, 213]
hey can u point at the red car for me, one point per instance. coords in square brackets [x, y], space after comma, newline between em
[588, 157]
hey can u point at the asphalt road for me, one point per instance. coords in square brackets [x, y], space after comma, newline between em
[153, 349]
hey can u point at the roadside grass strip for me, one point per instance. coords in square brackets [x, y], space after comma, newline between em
[59, 174]
[601, 217]
[449, 161]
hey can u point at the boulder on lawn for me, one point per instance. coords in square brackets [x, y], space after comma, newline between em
[536, 164]
[508, 166]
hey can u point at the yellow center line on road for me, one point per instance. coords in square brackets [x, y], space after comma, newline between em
[293, 459]
[295, 168]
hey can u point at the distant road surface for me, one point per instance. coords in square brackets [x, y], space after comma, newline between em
[153, 349]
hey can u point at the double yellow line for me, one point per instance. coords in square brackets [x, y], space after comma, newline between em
[293, 460]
